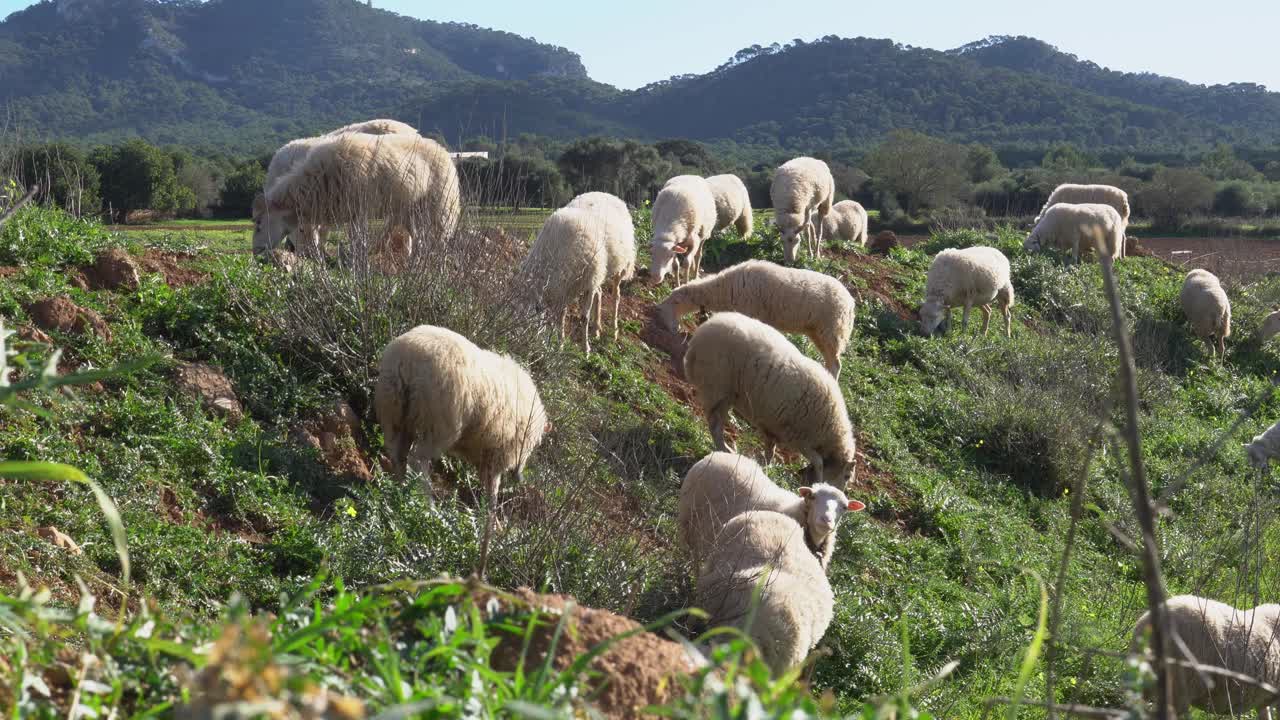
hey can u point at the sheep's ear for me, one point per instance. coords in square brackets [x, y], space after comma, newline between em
[805, 492]
[856, 506]
[681, 250]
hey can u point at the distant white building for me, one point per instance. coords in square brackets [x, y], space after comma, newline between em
[465, 155]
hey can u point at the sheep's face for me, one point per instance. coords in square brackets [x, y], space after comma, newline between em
[663, 252]
[1032, 243]
[270, 226]
[825, 506]
[932, 317]
[789, 227]
[1257, 456]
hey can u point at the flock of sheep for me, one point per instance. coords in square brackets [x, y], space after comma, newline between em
[749, 539]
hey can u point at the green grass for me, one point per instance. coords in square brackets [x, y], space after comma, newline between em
[974, 443]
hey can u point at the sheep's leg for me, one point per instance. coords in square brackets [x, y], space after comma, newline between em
[1264, 713]
[716, 418]
[815, 463]
[564, 324]
[964, 320]
[599, 311]
[590, 301]
[495, 482]
[617, 304]
[398, 444]
[1008, 322]
[1222, 347]
[986, 318]
[770, 446]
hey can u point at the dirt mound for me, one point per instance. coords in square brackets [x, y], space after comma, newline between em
[60, 314]
[633, 674]
[883, 242]
[9, 271]
[668, 375]
[212, 388]
[337, 436]
[112, 269]
[174, 267]
[879, 278]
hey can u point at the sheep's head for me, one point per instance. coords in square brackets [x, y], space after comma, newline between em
[1032, 243]
[271, 224]
[825, 505]
[933, 315]
[789, 227]
[1257, 455]
[663, 252]
[670, 311]
[1004, 297]
[1270, 325]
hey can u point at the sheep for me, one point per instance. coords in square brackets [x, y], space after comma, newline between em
[375, 127]
[437, 392]
[969, 277]
[407, 179]
[684, 214]
[1219, 635]
[733, 204]
[1079, 226]
[1270, 325]
[307, 238]
[739, 363]
[802, 188]
[568, 262]
[1264, 447]
[723, 485]
[1078, 194]
[791, 300]
[1208, 310]
[848, 222]
[767, 550]
[619, 245]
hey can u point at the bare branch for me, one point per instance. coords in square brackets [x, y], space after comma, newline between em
[18, 205]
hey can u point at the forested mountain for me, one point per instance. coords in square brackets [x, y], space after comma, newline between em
[244, 74]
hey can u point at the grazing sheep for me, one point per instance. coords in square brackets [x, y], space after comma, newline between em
[619, 245]
[791, 300]
[796, 604]
[375, 127]
[684, 214]
[721, 486]
[1264, 447]
[409, 180]
[739, 363]
[1084, 194]
[437, 392]
[567, 263]
[969, 277]
[848, 222]
[307, 238]
[802, 188]
[1218, 635]
[1078, 227]
[1270, 325]
[1208, 310]
[733, 204]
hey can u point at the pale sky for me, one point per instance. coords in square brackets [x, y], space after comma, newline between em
[630, 44]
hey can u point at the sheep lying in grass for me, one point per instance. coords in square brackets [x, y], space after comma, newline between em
[1208, 310]
[848, 222]
[723, 485]
[791, 300]
[409, 180]
[1218, 635]
[1085, 194]
[568, 262]
[684, 214]
[973, 276]
[733, 204]
[767, 550]
[619, 245]
[739, 363]
[438, 393]
[803, 190]
[1079, 227]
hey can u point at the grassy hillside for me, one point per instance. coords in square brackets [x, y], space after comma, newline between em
[975, 449]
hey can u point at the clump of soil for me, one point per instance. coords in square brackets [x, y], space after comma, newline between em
[112, 269]
[634, 673]
[60, 314]
[337, 436]
[212, 388]
[174, 267]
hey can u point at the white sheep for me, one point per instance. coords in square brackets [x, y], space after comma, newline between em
[684, 214]
[1264, 447]
[307, 237]
[1208, 310]
[723, 485]
[803, 191]
[1079, 227]
[973, 276]
[1219, 635]
[767, 550]
[739, 363]
[380, 126]
[619, 245]
[1083, 194]
[1270, 325]
[568, 263]
[438, 393]
[733, 204]
[409, 180]
[791, 300]
[847, 221]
